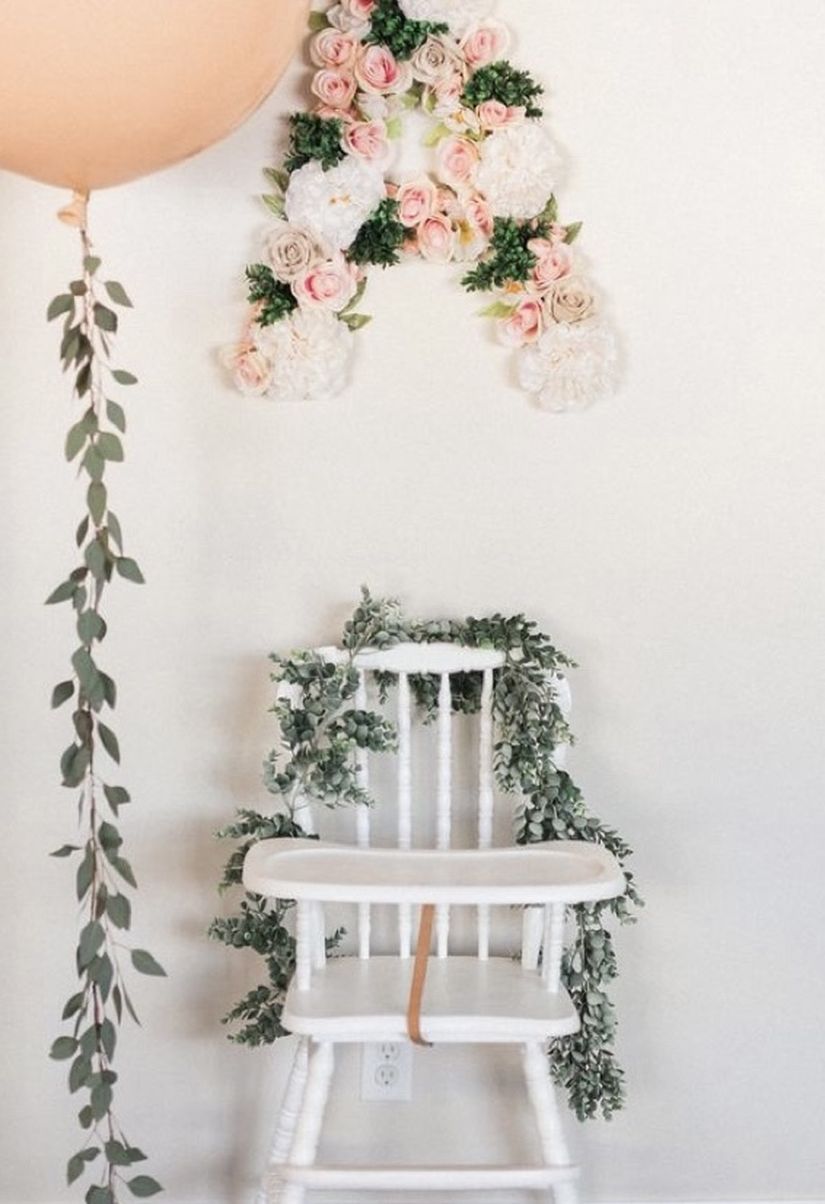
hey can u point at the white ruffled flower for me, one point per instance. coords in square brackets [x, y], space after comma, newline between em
[569, 367]
[459, 15]
[519, 170]
[309, 355]
[334, 204]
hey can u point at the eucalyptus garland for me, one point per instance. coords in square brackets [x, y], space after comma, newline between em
[103, 876]
[321, 730]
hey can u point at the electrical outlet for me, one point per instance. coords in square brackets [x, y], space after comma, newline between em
[386, 1071]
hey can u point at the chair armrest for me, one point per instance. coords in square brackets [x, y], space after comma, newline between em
[563, 871]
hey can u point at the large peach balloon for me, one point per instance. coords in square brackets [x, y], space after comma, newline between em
[96, 92]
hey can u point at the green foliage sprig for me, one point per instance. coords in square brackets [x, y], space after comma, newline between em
[314, 137]
[508, 258]
[391, 28]
[503, 82]
[104, 876]
[275, 298]
[380, 237]
[320, 732]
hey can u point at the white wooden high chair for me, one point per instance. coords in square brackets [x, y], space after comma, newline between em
[470, 999]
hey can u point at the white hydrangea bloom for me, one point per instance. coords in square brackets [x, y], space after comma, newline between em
[309, 353]
[519, 170]
[460, 15]
[569, 367]
[334, 204]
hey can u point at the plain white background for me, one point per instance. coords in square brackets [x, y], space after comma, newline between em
[671, 539]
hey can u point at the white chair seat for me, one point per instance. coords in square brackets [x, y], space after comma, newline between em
[465, 999]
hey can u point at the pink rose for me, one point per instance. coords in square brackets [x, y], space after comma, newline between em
[458, 160]
[435, 239]
[378, 71]
[554, 261]
[327, 285]
[360, 9]
[479, 215]
[474, 228]
[331, 48]
[416, 201]
[334, 88]
[250, 368]
[446, 95]
[523, 325]
[485, 43]
[492, 114]
[368, 140]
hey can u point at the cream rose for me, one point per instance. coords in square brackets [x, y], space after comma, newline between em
[474, 227]
[289, 250]
[485, 43]
[334, 88]
[351, 16]
[570, 301]
[434, 61]
[435, 239]
[368, 140]
[458, 160]
[416, 201]
[332, 48]
[251, 369]
[378, 71]
[523, 325]
[328, 285]
[553, 262]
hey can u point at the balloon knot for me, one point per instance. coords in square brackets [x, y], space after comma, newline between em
[74, 214]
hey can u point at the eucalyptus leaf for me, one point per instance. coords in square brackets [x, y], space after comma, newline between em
[144, 963]
[59, 305]
[124, 378]
[117, 293]
[143, 1186]
[61, 693]
[128, 568]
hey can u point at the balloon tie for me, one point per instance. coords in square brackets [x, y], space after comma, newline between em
[75, 213]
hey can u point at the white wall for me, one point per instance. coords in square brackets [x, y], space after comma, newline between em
[671, 539]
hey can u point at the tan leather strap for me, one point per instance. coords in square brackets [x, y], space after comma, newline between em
[422, 952]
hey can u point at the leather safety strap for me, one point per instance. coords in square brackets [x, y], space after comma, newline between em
[422, 953]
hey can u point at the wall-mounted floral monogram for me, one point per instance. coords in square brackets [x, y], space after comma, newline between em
[487, 202]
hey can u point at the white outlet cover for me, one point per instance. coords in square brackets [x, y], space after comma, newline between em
[386, 1071]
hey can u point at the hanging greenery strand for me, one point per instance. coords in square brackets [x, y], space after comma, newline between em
[320, 731]
[104, 876]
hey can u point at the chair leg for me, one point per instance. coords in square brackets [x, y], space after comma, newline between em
[285, 1129]
[310, 1117]
[548, 1118]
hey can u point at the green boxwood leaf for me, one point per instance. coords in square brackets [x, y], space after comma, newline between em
[144, 963]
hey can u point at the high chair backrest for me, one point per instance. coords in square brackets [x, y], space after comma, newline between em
[444, 661]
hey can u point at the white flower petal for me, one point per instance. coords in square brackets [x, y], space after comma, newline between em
[569, 367]
[334, 204]
[519, 170]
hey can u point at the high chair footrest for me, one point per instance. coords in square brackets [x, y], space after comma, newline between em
[431, 1178]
